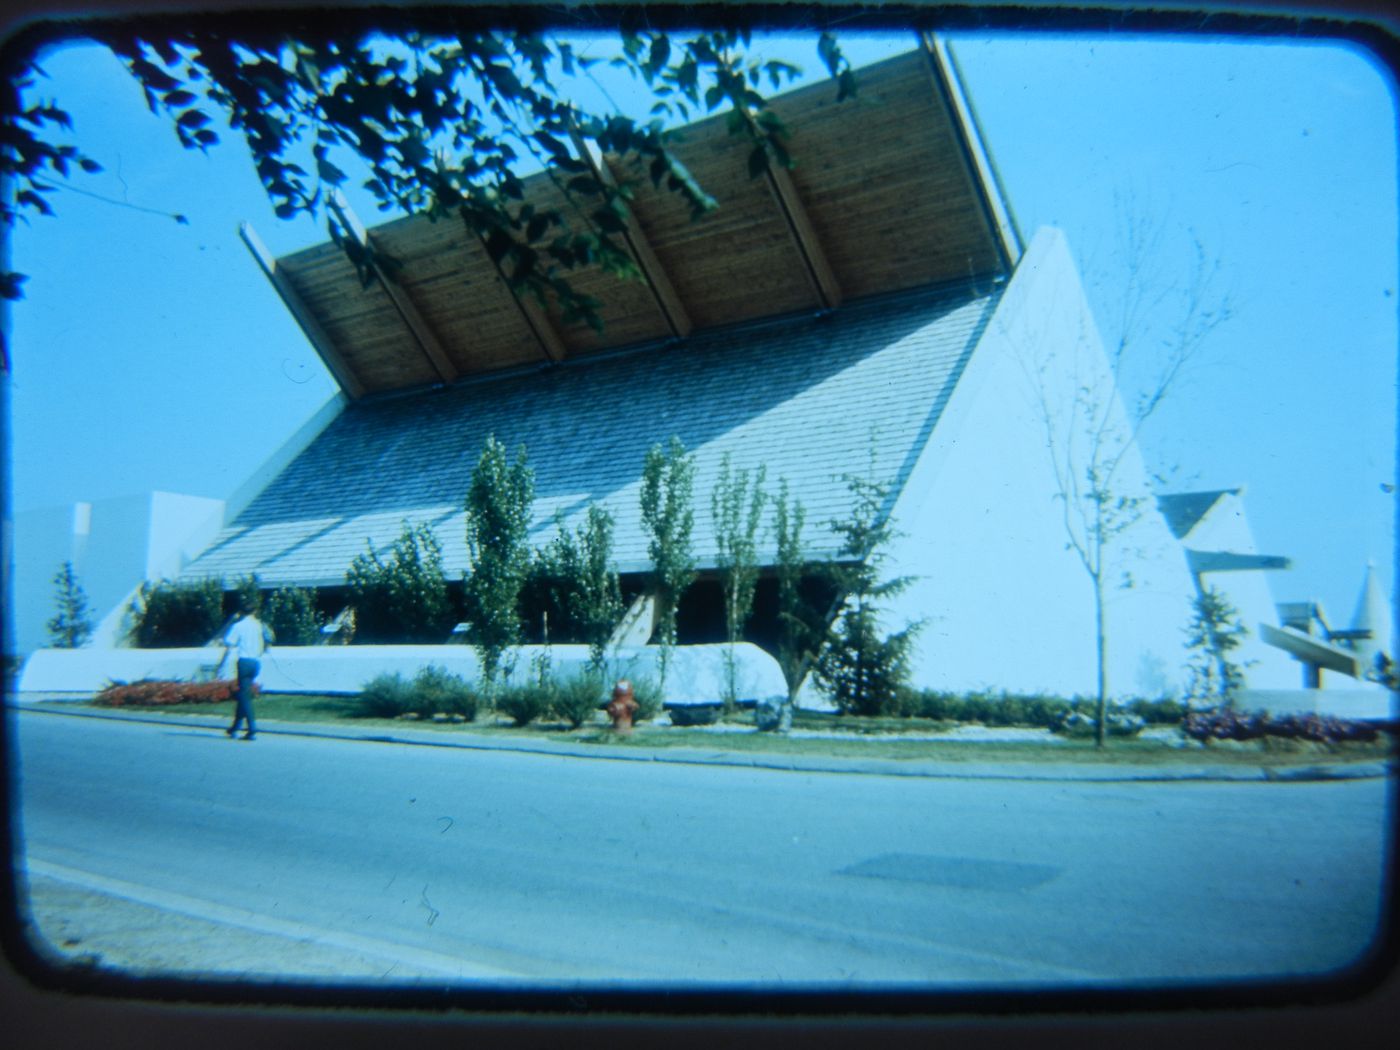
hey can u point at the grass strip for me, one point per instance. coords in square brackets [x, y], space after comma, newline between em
[884, 738]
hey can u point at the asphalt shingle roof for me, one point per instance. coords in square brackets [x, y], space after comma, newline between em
[813, 399]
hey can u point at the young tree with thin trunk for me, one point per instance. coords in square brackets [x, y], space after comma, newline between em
[736, 507]
[1159, 327]
[800, 630]
[668, 516]
[499, 505]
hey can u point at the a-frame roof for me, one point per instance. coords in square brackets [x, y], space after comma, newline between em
[890, 192]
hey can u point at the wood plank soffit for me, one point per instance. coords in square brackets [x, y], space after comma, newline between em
[404, 306]
[819, 270]
[302, 314]
[667, 300]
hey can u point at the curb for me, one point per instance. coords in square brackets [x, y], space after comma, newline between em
[1069, 772]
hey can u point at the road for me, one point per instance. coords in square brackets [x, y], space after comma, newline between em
[437, 862]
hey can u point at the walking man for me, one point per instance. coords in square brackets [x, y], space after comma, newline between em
[246, 641]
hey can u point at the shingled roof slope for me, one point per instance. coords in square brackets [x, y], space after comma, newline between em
[813, 399]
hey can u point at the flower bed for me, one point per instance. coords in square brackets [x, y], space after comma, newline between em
[162, 693]
[1233, 725]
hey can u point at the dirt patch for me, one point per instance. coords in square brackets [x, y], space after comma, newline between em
[74, 925]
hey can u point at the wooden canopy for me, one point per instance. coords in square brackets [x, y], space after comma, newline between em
[890, 191]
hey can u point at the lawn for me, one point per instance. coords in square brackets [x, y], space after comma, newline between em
[816, 734]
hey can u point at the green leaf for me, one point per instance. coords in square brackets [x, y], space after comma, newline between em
[584, 184]
[609, 220]
[758, 162]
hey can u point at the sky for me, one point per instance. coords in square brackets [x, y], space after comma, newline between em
[151, 354]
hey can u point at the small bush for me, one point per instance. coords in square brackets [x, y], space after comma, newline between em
[647, 693]
[437, 690]
[522, 704]
[386, 696]
[433, 690]
[578, 698]
[155, 693]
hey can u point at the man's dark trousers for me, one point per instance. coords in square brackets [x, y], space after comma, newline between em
[247, 671]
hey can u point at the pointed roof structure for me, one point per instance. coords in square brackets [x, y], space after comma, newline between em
[815, 325]
[1371, 624]
[890, 192]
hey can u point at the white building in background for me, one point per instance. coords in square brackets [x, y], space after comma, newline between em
[115, 545]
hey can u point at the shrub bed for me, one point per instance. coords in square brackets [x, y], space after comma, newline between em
[433, 690]
[1034, 710]
[154, 693]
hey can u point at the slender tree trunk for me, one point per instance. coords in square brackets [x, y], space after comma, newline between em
[1101, 648]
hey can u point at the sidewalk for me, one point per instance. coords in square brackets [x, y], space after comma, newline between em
[1066, 771]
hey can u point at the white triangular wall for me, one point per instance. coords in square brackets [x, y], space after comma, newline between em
[1005, 604]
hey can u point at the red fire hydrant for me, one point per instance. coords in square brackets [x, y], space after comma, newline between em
[622, 706]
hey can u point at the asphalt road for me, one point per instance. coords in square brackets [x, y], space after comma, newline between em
[430, 862]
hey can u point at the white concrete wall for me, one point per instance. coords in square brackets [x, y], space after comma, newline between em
[696, 674]
[1005, 604]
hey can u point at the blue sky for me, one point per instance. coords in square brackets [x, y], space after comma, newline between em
[153, 355]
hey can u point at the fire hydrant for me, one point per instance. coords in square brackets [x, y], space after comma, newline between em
[622, 706]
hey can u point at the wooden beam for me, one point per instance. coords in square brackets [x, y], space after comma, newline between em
[819, 271]
[947, 86]
[418, 327]
[302, 314]
[551, 343]
[672, 309]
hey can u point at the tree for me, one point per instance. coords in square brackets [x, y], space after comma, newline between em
[862, 667]
[736, 506]
[71, 625]
[290, 613]
[576, 569]
[668, 482]
[1093, 431]
[800, 632]
[499, 504]
[1215, 631]
[403, 599]
[170, 614]
[440, 111]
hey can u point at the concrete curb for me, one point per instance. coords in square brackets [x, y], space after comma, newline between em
[1069, 771]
